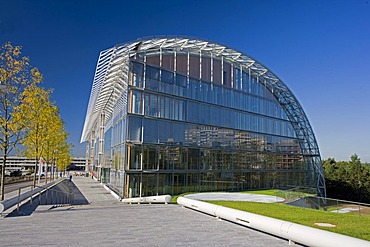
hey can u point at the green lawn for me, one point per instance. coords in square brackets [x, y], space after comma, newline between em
[347, 224]
[352, 225]
[174, 198]
[261, 192]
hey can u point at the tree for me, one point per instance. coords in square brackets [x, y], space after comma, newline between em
[348, 180]
[15, 74]
[63, 157]
[53, 128]
[45, 137]
[33, 112]
[56, 143]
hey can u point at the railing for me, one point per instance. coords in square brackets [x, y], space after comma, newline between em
[338, 206]
[63, 196]
[303, 198]
[295, 193]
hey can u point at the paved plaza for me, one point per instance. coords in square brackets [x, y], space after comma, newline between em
[106, 222]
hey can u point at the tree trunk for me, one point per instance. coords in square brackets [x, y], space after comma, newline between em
[2, 182]
[34, 174]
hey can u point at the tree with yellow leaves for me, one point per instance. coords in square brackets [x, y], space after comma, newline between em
[56, 149]
[33, 112]
[45, 137]
[15, 74]
[63, 157]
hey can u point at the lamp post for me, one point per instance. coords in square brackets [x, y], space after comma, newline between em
[2, 171]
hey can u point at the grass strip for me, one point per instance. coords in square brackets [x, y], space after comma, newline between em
[352, 225]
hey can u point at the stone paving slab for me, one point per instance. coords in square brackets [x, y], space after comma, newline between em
[127, 225]
[106, 222]
[93, 191]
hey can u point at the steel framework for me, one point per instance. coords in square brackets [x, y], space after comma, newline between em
[110, 83]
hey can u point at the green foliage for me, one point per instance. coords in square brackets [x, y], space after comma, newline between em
[45, 135]
[347, 180]
[347, 224]
[15, 74]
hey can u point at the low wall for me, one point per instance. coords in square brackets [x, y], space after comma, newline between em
[10, 180]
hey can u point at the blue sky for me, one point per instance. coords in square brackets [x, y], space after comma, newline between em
[320, 49]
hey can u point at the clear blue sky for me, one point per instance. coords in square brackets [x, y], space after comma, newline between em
[320, 49]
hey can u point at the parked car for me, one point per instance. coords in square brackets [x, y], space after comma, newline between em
[17, 173]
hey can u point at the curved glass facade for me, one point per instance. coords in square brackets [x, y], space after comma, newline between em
[190, 120]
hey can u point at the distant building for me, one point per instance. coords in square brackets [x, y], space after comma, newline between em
[78, 164]
[14, 163]
[24, 164]
[173, 115]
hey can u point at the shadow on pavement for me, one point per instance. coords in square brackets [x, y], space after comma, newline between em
[56, 197]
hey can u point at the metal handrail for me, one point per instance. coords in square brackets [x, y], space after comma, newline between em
[67, 199]
[35, 191]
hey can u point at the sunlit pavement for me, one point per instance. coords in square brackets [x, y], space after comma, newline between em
[106, 222]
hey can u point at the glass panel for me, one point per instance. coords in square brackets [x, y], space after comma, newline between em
[165, 162]
[181, 84]
[237, 79]
[182, 63]
[149, 185]
[227, 75]
[245, 82]
[150, 158]
[165, 184]
[136, 102]
[167, 82]
[168, 61]
[193, 158]
[179, 181]
[194, 66]
[152, 78]
[161, 107]
[137, 70]
[133, 185]
[150, 130]
[206, 69]
[193, 182]
[153, 105]
[135, 157]
[217, 77]
[134, 129]
[152, 59]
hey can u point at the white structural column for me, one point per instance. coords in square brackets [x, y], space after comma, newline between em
[87, 157]
[92, 140]
[101, 144]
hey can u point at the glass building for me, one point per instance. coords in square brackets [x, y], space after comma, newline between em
[174, 115]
